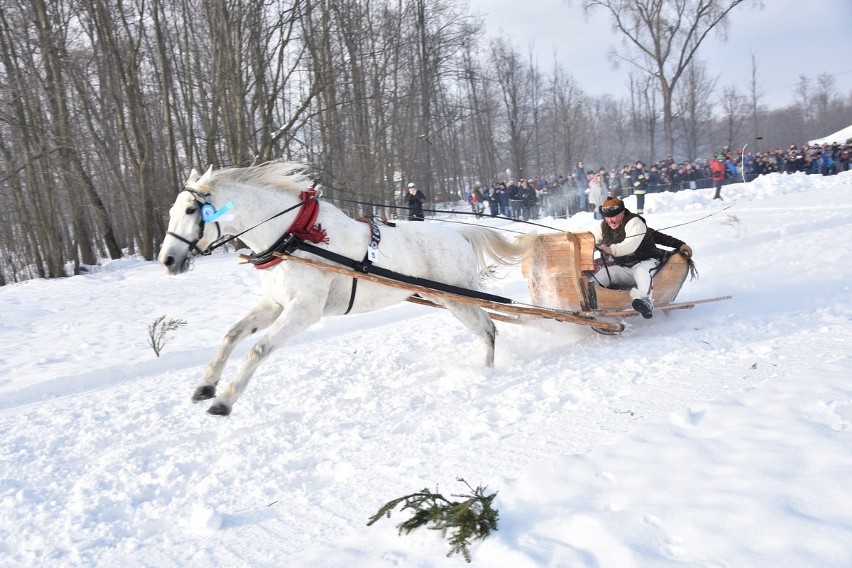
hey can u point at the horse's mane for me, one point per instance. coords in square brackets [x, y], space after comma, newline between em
[284, 176]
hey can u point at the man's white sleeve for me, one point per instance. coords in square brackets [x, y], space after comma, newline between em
[634, 231]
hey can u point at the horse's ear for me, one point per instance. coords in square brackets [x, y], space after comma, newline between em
[193, 177]
[206, 177]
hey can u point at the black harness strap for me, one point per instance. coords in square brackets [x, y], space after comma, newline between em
[391, 275]
[371, 255]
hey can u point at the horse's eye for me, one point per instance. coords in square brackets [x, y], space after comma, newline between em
[191, 210]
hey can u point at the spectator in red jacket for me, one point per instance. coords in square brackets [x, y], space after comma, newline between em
[717, 172]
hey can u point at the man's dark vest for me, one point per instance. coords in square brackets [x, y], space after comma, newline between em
[647, 248]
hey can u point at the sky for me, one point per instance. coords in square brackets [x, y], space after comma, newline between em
[718, 436]
[788, 38]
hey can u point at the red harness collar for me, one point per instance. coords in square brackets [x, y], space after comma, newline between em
[304, 226]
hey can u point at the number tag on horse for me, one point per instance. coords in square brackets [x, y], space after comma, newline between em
[372, 253]
[209, 213]
[375, 238]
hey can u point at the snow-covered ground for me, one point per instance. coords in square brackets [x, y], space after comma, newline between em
[719, 436]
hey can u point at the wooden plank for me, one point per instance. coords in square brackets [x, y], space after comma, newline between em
[508, 318]
[578, 318]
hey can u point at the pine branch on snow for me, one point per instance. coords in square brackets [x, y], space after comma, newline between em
[472, 518]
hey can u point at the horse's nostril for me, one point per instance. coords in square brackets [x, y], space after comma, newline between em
[170, 260]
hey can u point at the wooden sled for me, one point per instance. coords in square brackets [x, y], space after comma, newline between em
[558, 267]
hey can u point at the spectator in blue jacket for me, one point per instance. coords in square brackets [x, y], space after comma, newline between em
[581, 182]
[827, 163]
[731, 166]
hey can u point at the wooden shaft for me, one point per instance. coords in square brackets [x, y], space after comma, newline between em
[559, 315]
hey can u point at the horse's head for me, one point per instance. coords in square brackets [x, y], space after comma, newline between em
[204, 202]
[189, 218]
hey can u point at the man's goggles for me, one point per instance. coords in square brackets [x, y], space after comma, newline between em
[612, 210]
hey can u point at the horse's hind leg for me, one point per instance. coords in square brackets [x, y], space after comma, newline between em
[260, 317]
[476, 320]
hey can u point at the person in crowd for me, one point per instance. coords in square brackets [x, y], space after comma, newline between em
[666, 179]
[626, 185]
[597, 193]
[516, 201]
[615, 184]
[529, 198]
[581, 182]
[542, 191]
[503, 199]
[827, 163]
[749, 162]
[477, 200]
[493, 202]
[843, 160]
[415, 203]
[626, 237]
[689, 176]
[717, 173]
[639, 183]
[654, 179]
[731, 167]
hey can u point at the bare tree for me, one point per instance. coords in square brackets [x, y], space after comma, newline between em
[824, 100]
[694, 109]
[513, 79]
[755, 95]
[661, 37]
[803, 99]
[571, 124]
[480, 104]
[734, 110]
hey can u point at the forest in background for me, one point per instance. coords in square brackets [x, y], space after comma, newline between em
[105, 106]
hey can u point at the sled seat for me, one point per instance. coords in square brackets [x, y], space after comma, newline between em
[558, 266]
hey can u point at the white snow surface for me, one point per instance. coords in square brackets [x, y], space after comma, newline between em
[717, 437]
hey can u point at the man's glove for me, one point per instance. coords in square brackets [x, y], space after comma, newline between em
[685, 250]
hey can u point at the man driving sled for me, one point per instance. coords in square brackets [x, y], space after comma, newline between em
[633, 246]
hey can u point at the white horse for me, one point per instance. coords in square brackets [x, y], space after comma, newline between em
[264, 203]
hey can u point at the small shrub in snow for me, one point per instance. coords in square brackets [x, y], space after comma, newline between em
[159, 332]
[734, 222]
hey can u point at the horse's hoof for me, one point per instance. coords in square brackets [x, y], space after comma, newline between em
[219, 410]
[203, 393]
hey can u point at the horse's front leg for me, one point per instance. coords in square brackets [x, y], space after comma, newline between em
[260, 317]
[294, 319]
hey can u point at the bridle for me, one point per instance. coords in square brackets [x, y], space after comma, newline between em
[201, 199]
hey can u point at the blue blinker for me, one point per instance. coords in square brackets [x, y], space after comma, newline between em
[210, 213]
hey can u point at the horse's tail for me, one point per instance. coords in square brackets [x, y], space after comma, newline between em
[491, 246]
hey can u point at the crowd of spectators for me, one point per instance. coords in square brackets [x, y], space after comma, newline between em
[561, 196]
